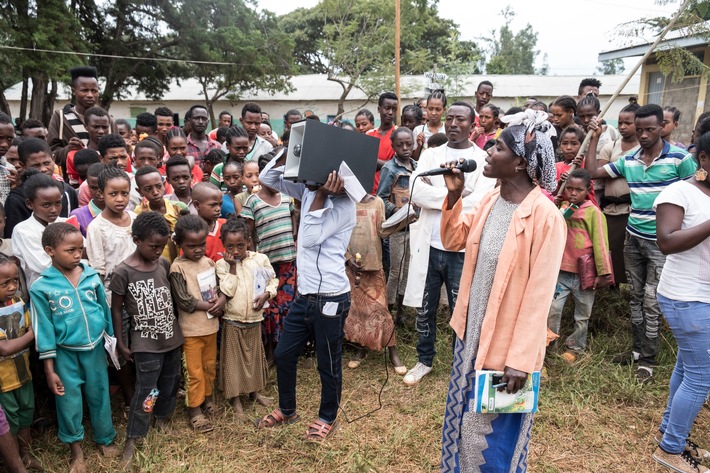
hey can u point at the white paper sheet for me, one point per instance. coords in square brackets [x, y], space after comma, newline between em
[111, 349]
[262, 276]
[352, 185]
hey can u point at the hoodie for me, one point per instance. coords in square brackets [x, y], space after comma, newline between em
[72, 318]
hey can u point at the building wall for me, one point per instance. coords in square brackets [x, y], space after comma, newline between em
[323, 108]
[688, 95]
[684, 96]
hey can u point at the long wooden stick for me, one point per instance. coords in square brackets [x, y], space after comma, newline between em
[587, 139]
[397, 19]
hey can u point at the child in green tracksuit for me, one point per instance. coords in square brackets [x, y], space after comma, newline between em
[70, 317]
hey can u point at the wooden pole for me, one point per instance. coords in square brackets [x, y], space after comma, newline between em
[587, 139]
[397, 14]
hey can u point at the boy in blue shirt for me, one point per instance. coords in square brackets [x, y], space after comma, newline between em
[70, 318]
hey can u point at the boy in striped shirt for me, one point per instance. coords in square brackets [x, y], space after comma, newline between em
[648, 170]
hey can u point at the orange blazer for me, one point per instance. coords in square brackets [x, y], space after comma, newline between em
[514, 327]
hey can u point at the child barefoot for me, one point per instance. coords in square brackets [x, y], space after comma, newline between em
[251, 182]
[207, 200]
[150, 186]
[199, 305]
[394, 191]
[232, 174]
[369, 322]
[44, 198]
[243, 362]
[570, 141]
[16, 335]
[237, 147]
[70, 318]
[140, 284]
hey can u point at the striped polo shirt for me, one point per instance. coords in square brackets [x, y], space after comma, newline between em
[646, 182]
[274, 227]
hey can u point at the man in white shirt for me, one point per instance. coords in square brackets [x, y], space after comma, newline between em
[431, 265]
[323, 299]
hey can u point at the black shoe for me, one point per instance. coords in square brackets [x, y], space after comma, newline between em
[644, 374]
[627, 358]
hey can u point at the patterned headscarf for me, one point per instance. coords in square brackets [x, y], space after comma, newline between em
[528, 136]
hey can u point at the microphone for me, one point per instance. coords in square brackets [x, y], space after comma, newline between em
[469, 165]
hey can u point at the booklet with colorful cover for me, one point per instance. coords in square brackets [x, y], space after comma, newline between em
[489, 400]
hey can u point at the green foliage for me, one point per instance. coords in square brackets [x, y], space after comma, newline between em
[48, 24]
[512, 52]
[259, 55]
[352, 42]
[134, 29]
[234, 32]
[611, 66]
[674, 62]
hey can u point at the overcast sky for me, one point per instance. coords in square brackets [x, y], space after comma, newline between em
[572, 33]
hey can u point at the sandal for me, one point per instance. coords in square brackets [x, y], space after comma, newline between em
[201, 425]
[276, 418]
[319, 431]
[210, 409]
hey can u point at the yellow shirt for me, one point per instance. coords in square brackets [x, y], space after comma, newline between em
[239, 288]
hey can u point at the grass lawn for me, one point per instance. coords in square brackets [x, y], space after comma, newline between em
[593, 417]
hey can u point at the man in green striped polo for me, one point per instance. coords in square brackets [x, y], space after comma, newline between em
[648, 170]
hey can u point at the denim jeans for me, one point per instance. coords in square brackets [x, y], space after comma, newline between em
[445, 267]
[644, 263]
[568, 283]
[690, 382]
[159, 371]
[306, 319]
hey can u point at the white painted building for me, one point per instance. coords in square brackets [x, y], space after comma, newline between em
[314, 92]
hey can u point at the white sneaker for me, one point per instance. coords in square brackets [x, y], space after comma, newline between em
[416, 374]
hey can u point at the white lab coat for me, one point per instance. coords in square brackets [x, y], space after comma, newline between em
[430, 198]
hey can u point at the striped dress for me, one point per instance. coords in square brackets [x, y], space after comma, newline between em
[274, 231]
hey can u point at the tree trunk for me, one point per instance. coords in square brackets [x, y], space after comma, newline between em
[4, 105]
[50, 99]
[23, 98]
[39, 92]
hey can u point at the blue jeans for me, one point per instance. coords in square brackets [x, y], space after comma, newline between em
[306, 320]
[690, 382]
[159, 371]
[568, 283]
[445, 267]
[644, 263]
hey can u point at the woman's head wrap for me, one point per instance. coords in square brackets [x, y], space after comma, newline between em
[528, 136]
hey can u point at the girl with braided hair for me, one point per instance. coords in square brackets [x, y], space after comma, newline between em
[514, 240]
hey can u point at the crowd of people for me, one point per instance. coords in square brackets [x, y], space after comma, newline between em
[173, 262]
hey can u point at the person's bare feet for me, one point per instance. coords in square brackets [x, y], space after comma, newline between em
[262, 400]
[129, 449]
[77, 459]
[161, 424]
[109, 451]
[236, 404]
[399, 367]
[30, 462]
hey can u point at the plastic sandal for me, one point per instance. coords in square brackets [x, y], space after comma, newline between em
[275, 419]
[201, 425]
[320, 431]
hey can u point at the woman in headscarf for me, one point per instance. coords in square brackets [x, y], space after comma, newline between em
[514, 240]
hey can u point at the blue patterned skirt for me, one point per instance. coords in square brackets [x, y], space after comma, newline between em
[489, 443]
